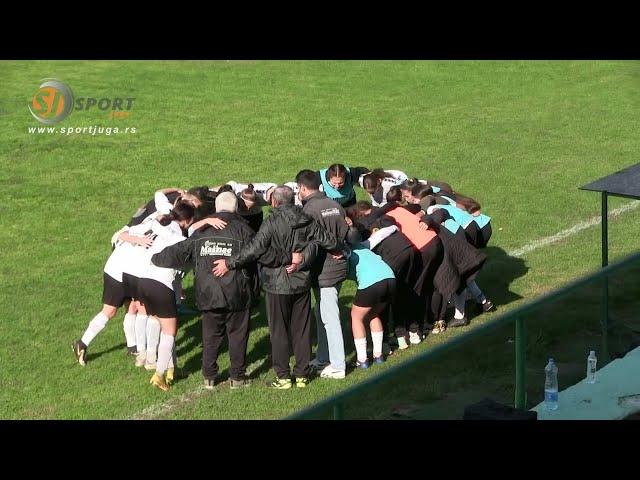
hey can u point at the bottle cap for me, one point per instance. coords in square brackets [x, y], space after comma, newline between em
[592, 352]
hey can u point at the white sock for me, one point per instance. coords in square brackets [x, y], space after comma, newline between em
[459, 301]
[153, 339]
[95, 327]
[165, 352]
[361, 348]
[130, 329]
[376, 337]
[141, 333]
[402, 343]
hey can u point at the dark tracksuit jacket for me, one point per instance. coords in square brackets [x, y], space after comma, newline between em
[461, 261]
[207, 244]
[233, 291]
[286, 230]
[327, 271]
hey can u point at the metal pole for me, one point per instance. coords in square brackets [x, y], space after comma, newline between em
[338, 411]
[605, 231]
[521, 398]
[604, 321]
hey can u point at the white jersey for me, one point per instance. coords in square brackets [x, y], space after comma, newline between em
[125, 254]
[396, 178]
[141, 256]
[294, 186]
[164, 237]
[163, 205]
[260, 188]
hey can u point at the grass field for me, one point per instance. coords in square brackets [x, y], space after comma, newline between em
[520, 137]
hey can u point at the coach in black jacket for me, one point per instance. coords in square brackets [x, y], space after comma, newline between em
[327, 275]
[286, 229]
[225, 302]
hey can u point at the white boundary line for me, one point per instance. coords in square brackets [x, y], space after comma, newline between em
[159, 409]
[543, 242]
[155, 411]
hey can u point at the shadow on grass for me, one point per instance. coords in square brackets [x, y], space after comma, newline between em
[498, 273]
[95, 356]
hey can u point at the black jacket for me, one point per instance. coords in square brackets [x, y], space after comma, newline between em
[461, 258]
[287, 229]
[234, 291]
[396, 250]
[327, 271]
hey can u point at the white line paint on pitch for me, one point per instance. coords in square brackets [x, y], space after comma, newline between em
[592, 222]
[158, 410]
[164, 408]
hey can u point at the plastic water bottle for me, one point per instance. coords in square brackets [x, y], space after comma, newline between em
[551, 386]
[591, 367]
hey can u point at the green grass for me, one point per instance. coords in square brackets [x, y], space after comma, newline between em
[520, 137]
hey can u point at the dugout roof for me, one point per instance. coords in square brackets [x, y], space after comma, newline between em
[624, 183]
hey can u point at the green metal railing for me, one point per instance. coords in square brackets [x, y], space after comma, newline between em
[623, 271]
